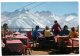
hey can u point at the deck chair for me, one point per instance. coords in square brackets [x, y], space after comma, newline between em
[28, 33]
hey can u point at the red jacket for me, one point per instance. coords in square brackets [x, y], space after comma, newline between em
[56, 27]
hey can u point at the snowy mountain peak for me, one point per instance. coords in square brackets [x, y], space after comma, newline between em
[27, 19]
[74, 14]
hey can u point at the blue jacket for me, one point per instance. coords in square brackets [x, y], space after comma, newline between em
[35, 33]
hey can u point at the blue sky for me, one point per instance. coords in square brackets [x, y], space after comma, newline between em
[58, 8]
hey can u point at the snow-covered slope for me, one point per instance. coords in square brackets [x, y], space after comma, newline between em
[26, 19]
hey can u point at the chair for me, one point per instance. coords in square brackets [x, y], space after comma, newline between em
[39, 39]
[62, 43]
[29, 35]
[27, 49]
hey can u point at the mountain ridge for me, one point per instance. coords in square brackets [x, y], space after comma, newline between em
[28, 19]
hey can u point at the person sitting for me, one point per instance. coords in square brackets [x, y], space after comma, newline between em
[47, 33]
[5, 28]
[35, 34]
[65, 31]
[73, 33]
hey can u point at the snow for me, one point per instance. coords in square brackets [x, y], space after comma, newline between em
[27, 19]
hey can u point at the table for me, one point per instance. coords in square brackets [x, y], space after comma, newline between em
[74, 42]
[16, 37]
[13, 42]
[17, 33]
[60, 38]
[15, 46]
[20, 37]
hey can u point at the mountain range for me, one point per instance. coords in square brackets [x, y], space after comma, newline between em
[27, 19]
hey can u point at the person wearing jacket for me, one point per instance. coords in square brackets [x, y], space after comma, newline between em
[35, 34]
[47, 33]
[65, 31]
[56, 28]
[73, 33]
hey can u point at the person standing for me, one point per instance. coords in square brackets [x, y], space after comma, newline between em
[56, 28]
